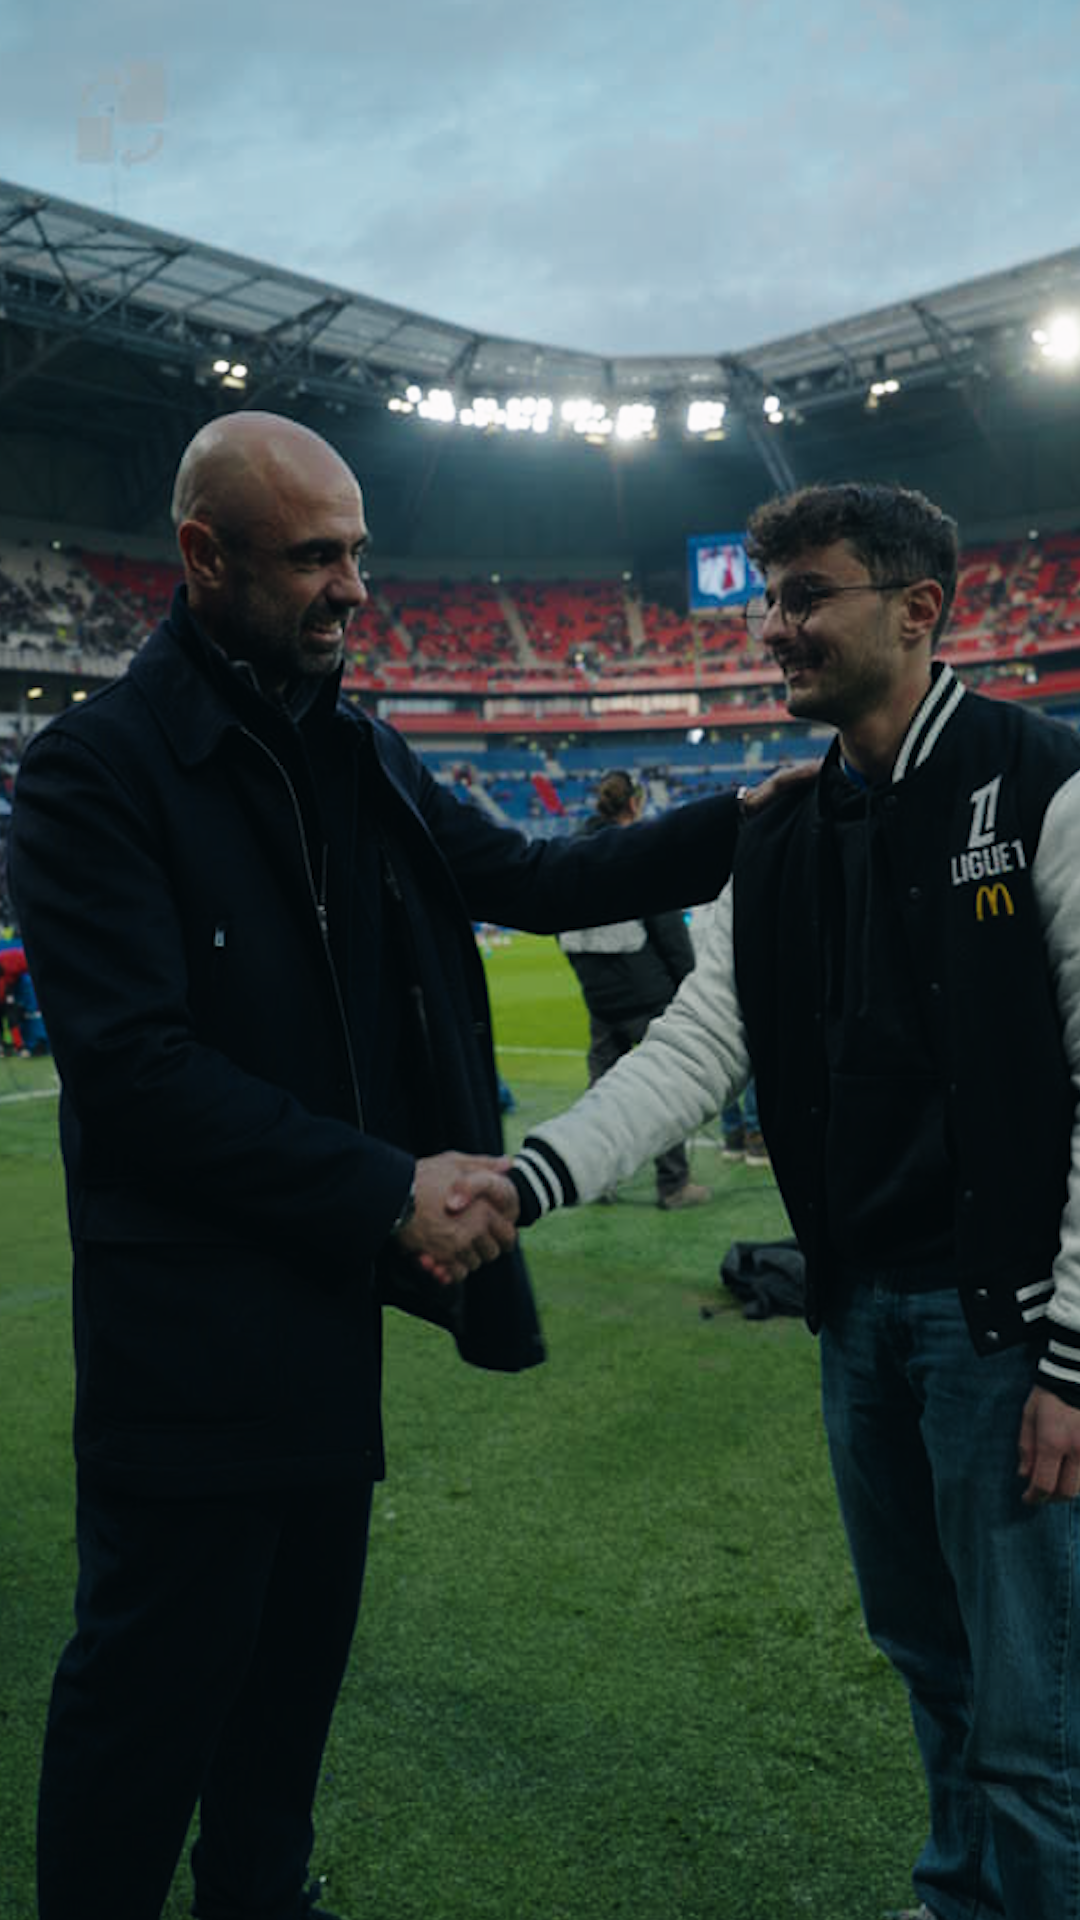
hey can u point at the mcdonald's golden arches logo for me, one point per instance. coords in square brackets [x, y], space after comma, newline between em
[993, 900]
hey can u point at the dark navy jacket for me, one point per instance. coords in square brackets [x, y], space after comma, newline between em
[229, 1212]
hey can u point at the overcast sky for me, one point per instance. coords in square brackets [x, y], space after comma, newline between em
[675, 176]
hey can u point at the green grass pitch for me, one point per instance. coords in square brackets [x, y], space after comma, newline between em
[610, 1661]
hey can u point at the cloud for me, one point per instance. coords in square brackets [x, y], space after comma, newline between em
[622, 177]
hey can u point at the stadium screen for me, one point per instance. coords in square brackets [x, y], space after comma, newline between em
[720, 572]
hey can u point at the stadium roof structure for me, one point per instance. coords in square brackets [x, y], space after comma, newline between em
[73, 276]
[118, 341]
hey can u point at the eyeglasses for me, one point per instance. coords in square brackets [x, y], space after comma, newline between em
[799, 596]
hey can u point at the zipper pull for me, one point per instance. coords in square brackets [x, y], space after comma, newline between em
[320, 904]
[390, 879]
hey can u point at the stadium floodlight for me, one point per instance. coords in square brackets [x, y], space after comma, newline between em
[635, 421]
[705, 416]
[1058, 339]
[231, 373]
[536, 412]
[590, 418]
[878, 391]
[484, 412]
[439, 405]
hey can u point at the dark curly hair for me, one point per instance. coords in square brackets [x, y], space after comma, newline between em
[895, 531]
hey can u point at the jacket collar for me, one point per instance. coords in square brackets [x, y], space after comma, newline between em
[926, 727]
[199, 695]
[929, 721]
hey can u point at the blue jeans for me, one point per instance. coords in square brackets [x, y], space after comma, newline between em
[973, 1596]
[741, 1112]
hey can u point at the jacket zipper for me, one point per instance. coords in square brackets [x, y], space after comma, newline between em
[318, 901]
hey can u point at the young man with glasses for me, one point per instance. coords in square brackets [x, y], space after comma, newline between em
[898, 954]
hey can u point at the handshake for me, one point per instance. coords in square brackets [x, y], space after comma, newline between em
[466, 1212]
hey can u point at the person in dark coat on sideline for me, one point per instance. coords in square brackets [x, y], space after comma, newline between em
[245, 1191]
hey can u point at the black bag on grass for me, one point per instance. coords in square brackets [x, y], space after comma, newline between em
[767, 1276]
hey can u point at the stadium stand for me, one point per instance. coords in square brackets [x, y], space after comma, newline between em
[520, 693]
[1013, 597]
[587, 624]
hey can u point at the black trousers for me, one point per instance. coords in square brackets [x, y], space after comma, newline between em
[212, 1637]
[608, 1041]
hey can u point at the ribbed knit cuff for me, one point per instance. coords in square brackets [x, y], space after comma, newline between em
[1059, 1364]
[543, 1181]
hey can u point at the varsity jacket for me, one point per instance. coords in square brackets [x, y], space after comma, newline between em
[981, 821]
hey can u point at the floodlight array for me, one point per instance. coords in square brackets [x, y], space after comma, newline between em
[582, 416]
[705, 416]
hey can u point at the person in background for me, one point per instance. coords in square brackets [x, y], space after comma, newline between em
[741, 1129]
[628, 973]
[21, 1031]
[898, 955]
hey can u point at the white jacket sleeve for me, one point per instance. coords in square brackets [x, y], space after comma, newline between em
[1056, 877]
[692, 1059]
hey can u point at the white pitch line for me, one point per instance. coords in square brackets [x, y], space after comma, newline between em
[543, 1053]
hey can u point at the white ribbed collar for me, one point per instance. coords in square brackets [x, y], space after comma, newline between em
[930, 720]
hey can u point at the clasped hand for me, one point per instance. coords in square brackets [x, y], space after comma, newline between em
[466, 1213]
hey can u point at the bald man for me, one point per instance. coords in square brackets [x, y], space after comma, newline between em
[247, 908]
